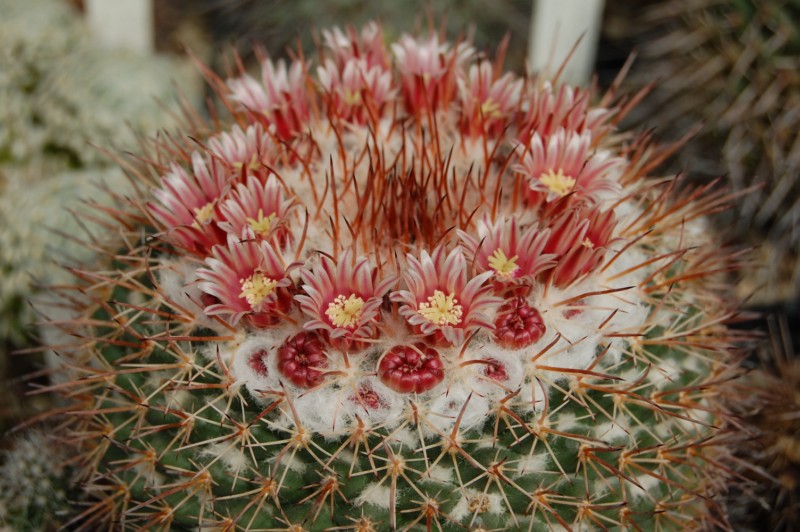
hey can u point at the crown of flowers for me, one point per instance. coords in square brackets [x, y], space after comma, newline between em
[403, 223]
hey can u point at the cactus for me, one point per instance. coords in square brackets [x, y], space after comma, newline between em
[59, 92]
[731, 65]
[33, 483]
[397, 288]
[60, 98]
[769, 455]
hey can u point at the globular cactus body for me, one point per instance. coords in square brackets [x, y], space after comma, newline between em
[403, 291]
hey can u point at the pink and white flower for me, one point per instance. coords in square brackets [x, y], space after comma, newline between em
[251, 149]
[246, 279]
[547, 110]
[428, 70]
[565, 163]
[367, 46]
[579, 237]
[354, 86]
[280, 100]
[511, 254]
[343, 299]
[257, 210]
[187, 204]
[442, 300]
[487, 101]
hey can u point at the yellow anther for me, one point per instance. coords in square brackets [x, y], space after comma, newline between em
[503, 266]
[557, 182]
[257, 288]
[345, 312]
[441, 309]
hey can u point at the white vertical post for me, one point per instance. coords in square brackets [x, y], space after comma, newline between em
[122, 23]
[556, 27]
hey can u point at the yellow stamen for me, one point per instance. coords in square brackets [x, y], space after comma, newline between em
[557, 182]
[262, 224]
[502, 265]
[345, 312]
[351, 97]
[588, 243]
[256, 288]
[491, 109]
[441, 309]
[254, 163]
[203, 214]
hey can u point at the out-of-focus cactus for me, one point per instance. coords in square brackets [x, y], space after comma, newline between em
[770, 453]
[399, 288]
[33, 483]
[732, 66]
[40, 234]
[59, 92]
[60, 99]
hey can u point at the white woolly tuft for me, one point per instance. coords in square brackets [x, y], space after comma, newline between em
[152, 478]
[473, 375]
[268, 340]
[536, 463]
[405, 437]
[441, 474]
[444, 410]
[230, 454]
[611, 432]
[178, 283]
[177, 399]
[390, 411]
[649, 485]
[326, 410]
[293, 463]
[491, 503]
[375, 494]
[566, 420]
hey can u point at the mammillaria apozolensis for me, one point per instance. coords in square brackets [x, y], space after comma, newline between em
[403, 290]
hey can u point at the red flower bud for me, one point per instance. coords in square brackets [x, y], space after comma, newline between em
[300, 359]
[407, 369]
[518, 324]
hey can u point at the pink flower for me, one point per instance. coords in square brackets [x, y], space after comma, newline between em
[579, 237]
[257, 210]
[565, 163]
[549, 110]
[428, 71]
[356, 89]
[246, 279]
[368, 46]
[442, 300]
[512, 255]
[487, 101]
[343, 299]
[187, 204]
[251, 149]
[280, 100]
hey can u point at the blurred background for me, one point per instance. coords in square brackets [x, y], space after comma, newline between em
[82, 79]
